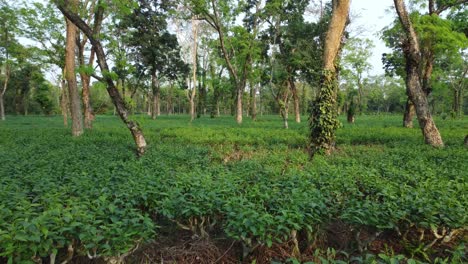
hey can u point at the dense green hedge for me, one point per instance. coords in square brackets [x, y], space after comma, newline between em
[253, 182]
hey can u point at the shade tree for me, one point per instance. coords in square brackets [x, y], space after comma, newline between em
[106, 77]
[323, 118]
[152, 45]
[355, 68]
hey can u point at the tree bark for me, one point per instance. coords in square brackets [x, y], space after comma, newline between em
[323, 118]
[360, 94]
[239, 95]
[297, 110]
[156, 95]
[193, 92]
[134, 128]
[2, 108]
[85, 93]
[415, 90]
[253, 101]
[70, 76]
[428, 68]
[351, 112]
[5, 83]
[148, 103]
[350, 117]
[409, 114]
[88, 110]
[170, 100]
[284, 115]
[2, 92]
[85, 78]
[64, 102]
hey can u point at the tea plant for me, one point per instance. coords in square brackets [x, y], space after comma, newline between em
[62, 196]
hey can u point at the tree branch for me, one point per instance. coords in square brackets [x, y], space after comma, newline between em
[442, 8]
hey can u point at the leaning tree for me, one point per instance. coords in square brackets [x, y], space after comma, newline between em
[73, 17]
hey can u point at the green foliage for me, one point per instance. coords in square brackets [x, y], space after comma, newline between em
[254, 182]
[44, 24]
[438, 34]
[43, 97]
[323, 120]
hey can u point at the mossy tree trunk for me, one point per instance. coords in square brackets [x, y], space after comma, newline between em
[323, 120]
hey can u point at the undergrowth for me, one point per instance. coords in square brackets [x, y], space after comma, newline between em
[91, 196]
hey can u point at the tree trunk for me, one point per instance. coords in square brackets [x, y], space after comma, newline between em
[350, 117]
[202, 95]
[156, 95]
[192, 109]
[2, 92]
[351, 112]
[111, 88]
[148, 103]
[458, 87]
[193, 92]
[85, 82]
[70, 76]
[297, 111]
[239, 95]
[284, 114]
[2, 108]
[170, 104]
[323, 117]
[459, 103]
[88, 110]
[239, 84]
[18, 101]
[416, 93]
[409, 114]
[304, 100]
[360, 95]
[253, 101]
[64, 102]
[428, 68]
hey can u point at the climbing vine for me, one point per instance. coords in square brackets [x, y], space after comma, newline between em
[323, 120]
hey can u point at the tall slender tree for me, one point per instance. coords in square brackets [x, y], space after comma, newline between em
[86, 66]
[356, 53]
[192, 93]
[235, 42]
[154, 46]
[8, 44]
[70, 75]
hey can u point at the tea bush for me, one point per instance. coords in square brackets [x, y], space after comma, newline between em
[254, 182]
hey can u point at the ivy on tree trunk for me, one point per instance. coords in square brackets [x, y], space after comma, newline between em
[323, 120]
